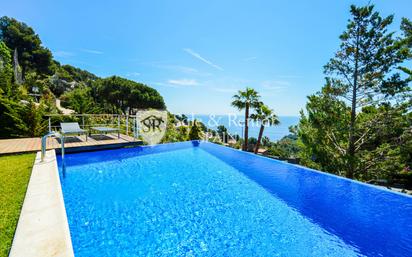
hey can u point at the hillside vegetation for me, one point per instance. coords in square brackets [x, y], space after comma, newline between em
[31, 80]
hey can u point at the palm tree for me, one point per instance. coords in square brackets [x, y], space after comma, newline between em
[266, 117]
[245, 100]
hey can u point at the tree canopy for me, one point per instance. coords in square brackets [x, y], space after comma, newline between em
[31, 54]
[30, 81]
[127, 95]
[353, 126]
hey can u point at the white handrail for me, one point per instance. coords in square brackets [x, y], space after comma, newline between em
[44, 139]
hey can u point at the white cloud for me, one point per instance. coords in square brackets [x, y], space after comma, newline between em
[199, 57]
[160, 84]
[189, 70]
[132, 74]
[63, 54]
[183, 82]
[166, 84]
[183, 69]
[174, 67]
[91, 51]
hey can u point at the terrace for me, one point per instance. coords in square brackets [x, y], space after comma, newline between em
[127, 134]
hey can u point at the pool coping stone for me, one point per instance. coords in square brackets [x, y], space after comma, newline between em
[43, 229]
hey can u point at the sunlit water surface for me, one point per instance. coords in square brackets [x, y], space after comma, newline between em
[207, 200]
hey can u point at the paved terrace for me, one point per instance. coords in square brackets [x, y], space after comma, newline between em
[22, 145]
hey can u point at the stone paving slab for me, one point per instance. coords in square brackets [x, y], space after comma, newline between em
[43, 230]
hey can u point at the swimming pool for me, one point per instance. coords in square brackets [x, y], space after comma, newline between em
[202, 199]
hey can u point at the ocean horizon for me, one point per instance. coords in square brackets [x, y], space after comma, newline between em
[233, 124]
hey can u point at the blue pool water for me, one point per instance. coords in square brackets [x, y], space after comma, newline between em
[202, 199]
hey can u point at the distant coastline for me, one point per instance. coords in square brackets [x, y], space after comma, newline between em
[231, 122]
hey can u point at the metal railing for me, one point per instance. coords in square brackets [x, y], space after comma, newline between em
[44, 143]
[126, 124]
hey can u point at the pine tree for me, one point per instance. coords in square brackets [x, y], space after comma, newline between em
[363, 71]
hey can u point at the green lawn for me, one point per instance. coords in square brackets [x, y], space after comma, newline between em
[15, 172]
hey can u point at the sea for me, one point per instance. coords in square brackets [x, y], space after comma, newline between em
[234, 124]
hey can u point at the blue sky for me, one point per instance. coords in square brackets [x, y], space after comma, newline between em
[197, 54]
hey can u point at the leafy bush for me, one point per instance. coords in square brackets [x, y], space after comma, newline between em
[251, 144]
[195, 132]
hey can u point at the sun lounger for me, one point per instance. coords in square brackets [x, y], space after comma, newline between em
[72, 128]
